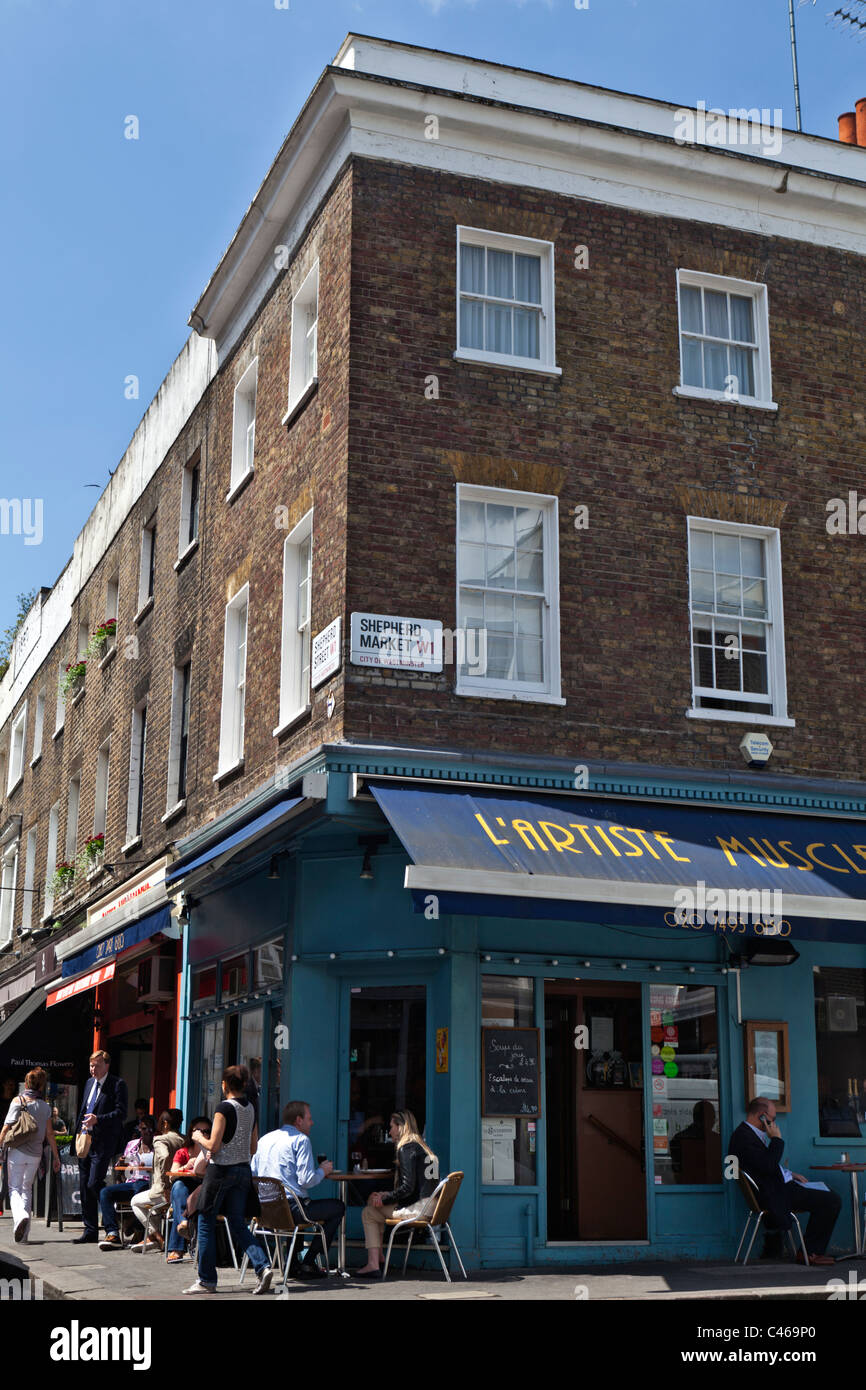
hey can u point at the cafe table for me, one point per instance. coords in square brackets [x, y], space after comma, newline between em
[853, 1169]
[359, 1175]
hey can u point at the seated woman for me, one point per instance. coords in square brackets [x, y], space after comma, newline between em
[135, 1168]
[417, 1177]
[187, 1171]
[166, 1143]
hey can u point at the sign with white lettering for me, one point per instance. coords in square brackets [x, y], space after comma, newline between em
[405, 644]
[90, 981]
[325, 653]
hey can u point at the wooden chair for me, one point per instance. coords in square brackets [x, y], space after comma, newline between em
[278, 1220]
[444, 1198]
[749, 1189]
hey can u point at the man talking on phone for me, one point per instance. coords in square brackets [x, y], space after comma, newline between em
[757, 1144]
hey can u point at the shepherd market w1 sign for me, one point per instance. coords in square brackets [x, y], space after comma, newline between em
[409, 644]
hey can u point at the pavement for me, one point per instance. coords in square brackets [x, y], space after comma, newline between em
[84, 1273]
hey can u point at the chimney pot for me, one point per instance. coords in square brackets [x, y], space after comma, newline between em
[848, 128]
[860, 107]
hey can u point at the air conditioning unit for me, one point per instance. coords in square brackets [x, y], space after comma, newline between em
[157, 980]
[841, 1013]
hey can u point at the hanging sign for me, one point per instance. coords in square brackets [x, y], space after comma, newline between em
[325, 653]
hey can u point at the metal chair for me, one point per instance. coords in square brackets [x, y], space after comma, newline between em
[749, 1189]
[444, 1196]
[278, 1220]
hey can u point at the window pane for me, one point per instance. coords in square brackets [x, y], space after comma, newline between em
[499, 612]
[727, 658]
[704, 666]
[268, 964]
[687, 1143]
[388, 1065]
[752, 552]
[727, 593]
[471, 563]
[530, 528]
[500, 656]
[693, 370]
[527, 279]
[472, 521]
[727, 552]
[755, 598]
[529, 617]
[530, 570]
[741, 319]
[526, 336]
[715, 366]
[471, 324]
[702, 549]
[716, 310]
[500, 567]
[840, 1031]
[690, 309]
[507, 1146]
[530, 664]
[743, 368]
[472, 269]
[702, 589]
[500, 524]
[500, 274]
[498, 328]
[755, 673]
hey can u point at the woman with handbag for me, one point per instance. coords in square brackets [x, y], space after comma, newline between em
[25, 1132]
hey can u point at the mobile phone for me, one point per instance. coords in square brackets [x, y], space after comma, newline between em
[765, 1120]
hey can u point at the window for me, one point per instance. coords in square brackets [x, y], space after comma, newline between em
[738, 656]
[8, 875]
[60, 713]
[179, 737]
[51, 859]
[507, 594]
[687, 1142]
[724, 339]
[234, 682]
[189, 506]
[507, 1146]
[147, 565]
[100, 808]
[244, 427]
[29, 880]
[295, 658]
[72, 804]
[16, 748]
[38, 725]
[137, 752]
[505, 300]
[83, 639]
[303, 366]
[840, 1034]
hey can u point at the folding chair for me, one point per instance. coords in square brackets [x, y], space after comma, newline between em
[749, 1189]
[444, 1197]
[278, 1220]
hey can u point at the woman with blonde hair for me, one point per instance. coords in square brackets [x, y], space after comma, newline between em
[417, 1177]
[25, 1151]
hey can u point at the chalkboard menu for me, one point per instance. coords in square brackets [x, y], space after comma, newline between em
[509, 1078]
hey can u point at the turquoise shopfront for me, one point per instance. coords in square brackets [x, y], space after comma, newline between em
[405, 982]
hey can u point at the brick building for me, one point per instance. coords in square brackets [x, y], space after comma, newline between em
[510, 359]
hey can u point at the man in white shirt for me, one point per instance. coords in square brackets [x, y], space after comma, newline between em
[287, 1154]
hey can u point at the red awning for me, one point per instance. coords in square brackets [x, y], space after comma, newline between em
[89, 981]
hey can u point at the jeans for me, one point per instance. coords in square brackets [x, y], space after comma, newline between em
[22, 1171]
[117, 1191]
[180, 1191]
[225, 1190]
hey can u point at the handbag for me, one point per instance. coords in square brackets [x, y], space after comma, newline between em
[21, 1129]
[83, 1142]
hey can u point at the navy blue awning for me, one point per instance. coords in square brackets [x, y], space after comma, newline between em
[115, 942]
[584, 859]
[232, 844]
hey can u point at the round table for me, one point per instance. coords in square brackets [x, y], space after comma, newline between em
[853, 1169]
[360, 1175]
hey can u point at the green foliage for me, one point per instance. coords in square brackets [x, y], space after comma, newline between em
[24, 602]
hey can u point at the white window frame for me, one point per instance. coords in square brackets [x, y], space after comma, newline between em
[244, 428]
[146, 562]
[100, 800]
[8, 880]
[173, 798]
[296, 635]
[73, 806]
[29, 879]
[237, 621]
[60, 712]
[777, 695]
[17, 741]
[51, 859]
[38, 727]
[186, 542]
[499, 241]
[112, 598]
[304, 354]
[83, 639]
[549, 691]
[137, 762]
[724, 284]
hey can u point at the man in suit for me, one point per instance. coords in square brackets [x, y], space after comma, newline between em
[757, 1145]
[102, 1115]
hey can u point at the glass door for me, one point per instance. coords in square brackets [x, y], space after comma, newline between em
[387, 1067]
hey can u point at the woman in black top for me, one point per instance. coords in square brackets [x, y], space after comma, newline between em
[417, 1178]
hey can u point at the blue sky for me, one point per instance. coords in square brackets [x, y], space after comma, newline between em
[107, 242]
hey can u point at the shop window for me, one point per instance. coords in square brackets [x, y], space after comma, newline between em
[840, 1033]
[204, 987]
[212, 1065]
[235, 978]
[268, 964]
[388, 1067]
[508, 1145]
[684, 1039]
